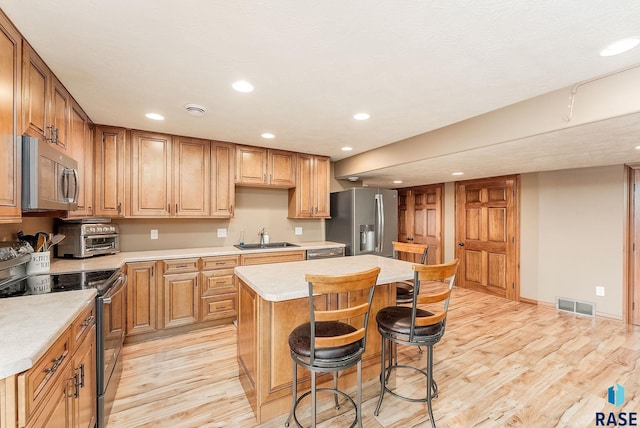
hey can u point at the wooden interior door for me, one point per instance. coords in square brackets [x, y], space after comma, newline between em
[420, 218]
[633, 289]
[487, 235]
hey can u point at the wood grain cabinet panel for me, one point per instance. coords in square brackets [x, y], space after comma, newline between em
[10, 81]
[219, 291]
[223, 187]
[141, 299]
[80, 148]
[271, 257]
[192, 177]
[181, 298]
[310, 197]
[47, 103]
[110, 168]
[257, 166]
[150, 189]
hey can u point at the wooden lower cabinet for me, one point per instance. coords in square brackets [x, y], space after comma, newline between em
[263, 349]
[180, 299]
[219, 291]
[274, 257]
[60, 389]
[141, 299]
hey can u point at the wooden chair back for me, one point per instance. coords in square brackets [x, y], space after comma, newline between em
[336, 284]
[410, 248]
[436, 283]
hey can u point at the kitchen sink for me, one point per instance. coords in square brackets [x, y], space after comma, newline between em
[269, 245]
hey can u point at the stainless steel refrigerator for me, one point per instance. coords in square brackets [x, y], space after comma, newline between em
[364, 219]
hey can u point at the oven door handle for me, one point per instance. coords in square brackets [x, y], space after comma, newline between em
[106, 299]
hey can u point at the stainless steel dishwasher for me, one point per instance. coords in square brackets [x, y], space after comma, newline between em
[325, 253]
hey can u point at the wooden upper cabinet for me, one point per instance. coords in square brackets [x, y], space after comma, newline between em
[310, 198]
[47, 104]
[192, 182]
[35, 94]
[80, 148]
[223, 189]
[110, 166]
[10, 63]
[150, 174]
[257, 166]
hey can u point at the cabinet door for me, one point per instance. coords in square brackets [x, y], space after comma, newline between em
[321, 173]
[109, 171]
[251, 165]
[84, 376]
[150, 175]
[181, 299]
[223, 193]
[214, 282]
[301, 199]
[35, 94]
[192, 182]
[56, 410]
[60, 113]
[10, 58]
[141, 299]
[79, 144]
[282, 168]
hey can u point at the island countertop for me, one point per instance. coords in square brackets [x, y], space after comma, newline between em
[29, 325]
[286, 281]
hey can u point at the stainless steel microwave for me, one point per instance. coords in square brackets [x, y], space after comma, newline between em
[49, 177]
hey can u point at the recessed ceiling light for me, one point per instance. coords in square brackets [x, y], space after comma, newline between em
[154, 116]
[397, 181]
[347, 149]
[361, 116]
[353, 178]
[195, 109]
[242, 86]
[620, 46]
[457, 173]
[637, 147]
[268, 135]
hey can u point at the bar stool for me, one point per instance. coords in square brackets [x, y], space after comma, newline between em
[404, 289]
[334, 339]
[414, 326]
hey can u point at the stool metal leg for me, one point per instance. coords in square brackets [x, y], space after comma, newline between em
[359, 403]
[430, 383]
[294, 393]
[335, 386]
[313, 398]
[383, 376]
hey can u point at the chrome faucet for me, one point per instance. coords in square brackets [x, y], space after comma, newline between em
[261, 235]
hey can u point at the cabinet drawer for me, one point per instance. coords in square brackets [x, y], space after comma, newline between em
[275, 257]
[180, 265]
[216, 282]
[220, 262]
[217, 307]
[35, 382]
[82, 325]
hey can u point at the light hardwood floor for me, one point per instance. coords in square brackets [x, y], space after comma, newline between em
[500, 364]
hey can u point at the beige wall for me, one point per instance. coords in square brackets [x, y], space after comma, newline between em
[572, 235]
[255, 208]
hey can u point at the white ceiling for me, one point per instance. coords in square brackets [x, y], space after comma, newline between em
[414, 66]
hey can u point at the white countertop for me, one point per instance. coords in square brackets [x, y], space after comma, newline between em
[29, 325]
[117, 260]
[285, 281]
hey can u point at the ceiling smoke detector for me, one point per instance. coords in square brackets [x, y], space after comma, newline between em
[195, 109]
[353, 178]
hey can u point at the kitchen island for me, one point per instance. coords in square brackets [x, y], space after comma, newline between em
[273, 300]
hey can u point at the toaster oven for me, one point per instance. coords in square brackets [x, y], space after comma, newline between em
[84, 240]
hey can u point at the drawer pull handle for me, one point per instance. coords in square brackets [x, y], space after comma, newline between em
[218, 308]
[76, 386]
[88, 321]
[56, 363]
[81, 368]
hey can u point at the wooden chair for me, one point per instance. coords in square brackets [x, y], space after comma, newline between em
[333, 339]
[421, 324]
[404, 289]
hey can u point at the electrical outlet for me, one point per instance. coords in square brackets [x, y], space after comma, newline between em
[599, 290]
[154, 233]
[298, 231]
[222, 233]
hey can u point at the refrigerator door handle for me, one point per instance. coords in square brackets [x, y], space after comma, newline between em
[379, 223]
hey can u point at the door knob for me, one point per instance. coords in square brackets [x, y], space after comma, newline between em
[461, 244]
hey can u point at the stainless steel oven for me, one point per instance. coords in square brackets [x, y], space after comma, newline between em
[111, 322]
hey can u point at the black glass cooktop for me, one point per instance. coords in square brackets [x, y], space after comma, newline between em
[55, 283]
